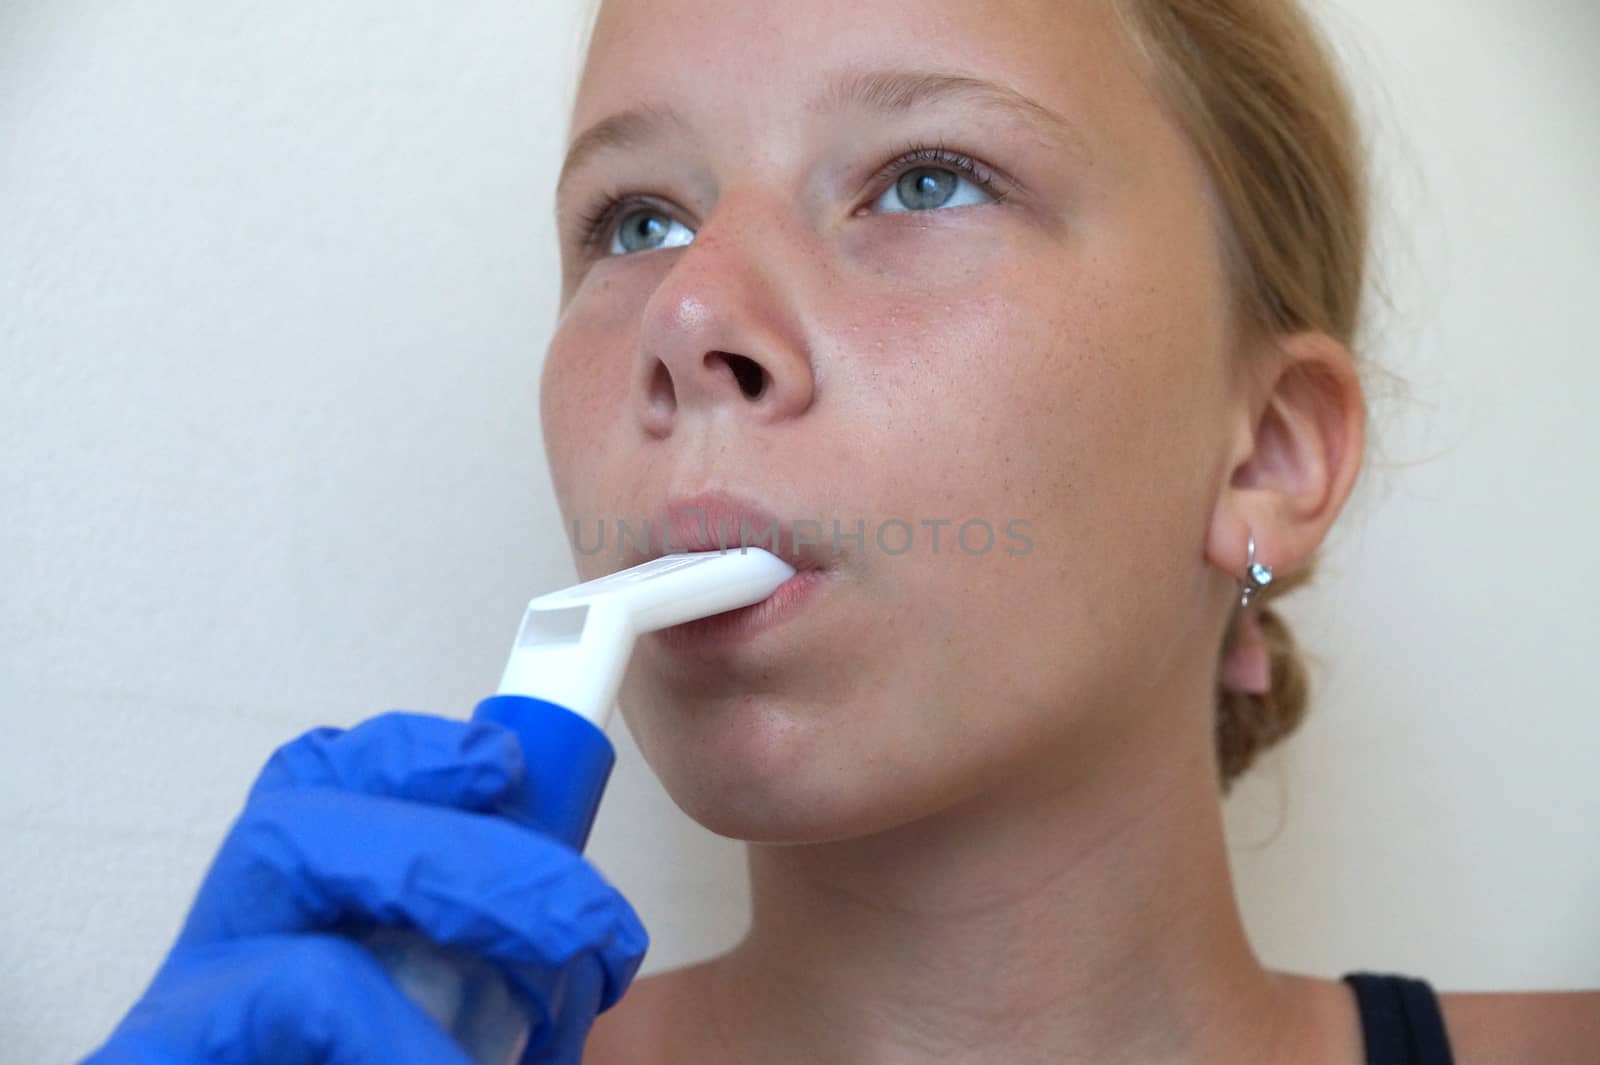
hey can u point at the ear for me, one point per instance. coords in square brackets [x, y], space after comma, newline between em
[1298, 445]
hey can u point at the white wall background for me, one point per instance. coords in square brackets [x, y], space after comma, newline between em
[275, 283]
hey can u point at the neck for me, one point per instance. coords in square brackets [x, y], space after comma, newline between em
[1087, 914]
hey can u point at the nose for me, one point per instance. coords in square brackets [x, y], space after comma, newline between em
[719, 336]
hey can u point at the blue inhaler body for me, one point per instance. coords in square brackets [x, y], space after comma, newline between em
[556, 695]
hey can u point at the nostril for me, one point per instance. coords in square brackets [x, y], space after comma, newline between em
[659, 392]
[751, 377]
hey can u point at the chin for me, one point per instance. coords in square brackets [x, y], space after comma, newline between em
[781, 785]
[765, 812]
[741, 769]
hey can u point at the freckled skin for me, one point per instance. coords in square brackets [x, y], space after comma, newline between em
[1058, 358]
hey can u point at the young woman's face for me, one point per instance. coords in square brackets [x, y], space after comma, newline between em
[1048, 355]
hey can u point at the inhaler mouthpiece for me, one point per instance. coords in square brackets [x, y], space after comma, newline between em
[573, 646]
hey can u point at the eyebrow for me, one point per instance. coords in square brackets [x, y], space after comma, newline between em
[891, 91]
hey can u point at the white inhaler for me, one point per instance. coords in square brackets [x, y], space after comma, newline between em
[557, 695]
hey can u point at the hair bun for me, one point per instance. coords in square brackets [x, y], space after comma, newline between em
[1249, 723]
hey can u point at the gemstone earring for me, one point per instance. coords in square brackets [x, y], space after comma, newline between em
[1256, 576]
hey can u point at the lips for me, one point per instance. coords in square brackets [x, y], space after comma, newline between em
[711, 521]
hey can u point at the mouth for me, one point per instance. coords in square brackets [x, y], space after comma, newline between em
[722, 521]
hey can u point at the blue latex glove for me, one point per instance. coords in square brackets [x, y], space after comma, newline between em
[391, 823]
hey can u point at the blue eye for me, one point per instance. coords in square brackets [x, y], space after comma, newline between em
[924, 178]
[643, 230]
[933, 184]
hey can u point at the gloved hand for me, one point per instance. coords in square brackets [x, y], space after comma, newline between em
[391, 823]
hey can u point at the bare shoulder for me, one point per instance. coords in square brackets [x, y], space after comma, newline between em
[1527, 1027]
[646, 1026]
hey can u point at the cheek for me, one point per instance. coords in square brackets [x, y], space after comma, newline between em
[1072, 408]
[985, 412]
[583, 395]
[973, 401]
[563, 415]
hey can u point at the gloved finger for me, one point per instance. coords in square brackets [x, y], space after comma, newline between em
[276, 1000]
[467, 764]
[559, 1005]
[306, 859]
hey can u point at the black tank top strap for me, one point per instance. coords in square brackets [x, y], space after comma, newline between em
[1400, 1020]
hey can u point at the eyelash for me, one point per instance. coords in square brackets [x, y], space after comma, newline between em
[595, 223]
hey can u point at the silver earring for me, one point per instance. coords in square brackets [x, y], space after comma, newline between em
[1256, 576]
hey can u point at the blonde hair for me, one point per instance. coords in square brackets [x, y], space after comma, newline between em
[1255, 87]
